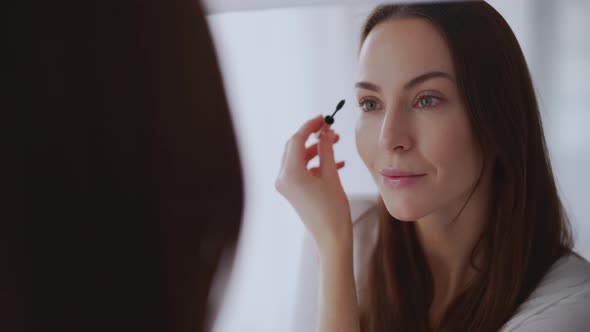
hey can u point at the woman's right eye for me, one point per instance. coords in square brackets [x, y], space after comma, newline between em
[368, 105]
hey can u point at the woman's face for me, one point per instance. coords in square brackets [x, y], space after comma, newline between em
[413, 126]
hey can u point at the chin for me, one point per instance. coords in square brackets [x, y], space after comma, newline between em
[404, 211]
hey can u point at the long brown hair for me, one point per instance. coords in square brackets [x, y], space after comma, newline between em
[527, 230]
[131, 179]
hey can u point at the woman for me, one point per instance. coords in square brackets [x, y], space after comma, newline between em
[470, 231]
[131, 182]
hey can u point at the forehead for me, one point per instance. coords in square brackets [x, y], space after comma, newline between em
[401, 49]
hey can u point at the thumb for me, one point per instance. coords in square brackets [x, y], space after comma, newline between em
[327, 167]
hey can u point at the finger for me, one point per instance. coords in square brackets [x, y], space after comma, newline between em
[316, 170]
[311, 126]
[312, 150]
[326, 152]
[323, 130]
[296, 148]
[284, 157]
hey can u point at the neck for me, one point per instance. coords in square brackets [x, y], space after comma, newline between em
[448, 237]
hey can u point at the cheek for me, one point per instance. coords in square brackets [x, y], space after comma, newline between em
[366, 140]
[452, 148]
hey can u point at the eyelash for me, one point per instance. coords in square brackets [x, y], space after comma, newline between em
[418, 99]
[426, 95]
[362, 102]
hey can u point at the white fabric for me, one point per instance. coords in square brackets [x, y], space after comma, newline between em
[561, 302]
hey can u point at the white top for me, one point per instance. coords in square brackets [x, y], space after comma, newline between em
[561, 302]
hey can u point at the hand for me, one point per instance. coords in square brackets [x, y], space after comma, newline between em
[316, 193]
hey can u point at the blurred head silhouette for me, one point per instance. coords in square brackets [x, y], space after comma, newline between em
[131, 179]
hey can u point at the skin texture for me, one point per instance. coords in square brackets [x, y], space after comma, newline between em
[422, 128]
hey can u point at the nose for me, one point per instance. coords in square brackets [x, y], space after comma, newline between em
[396, 131]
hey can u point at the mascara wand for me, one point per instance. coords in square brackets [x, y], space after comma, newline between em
[329, 119]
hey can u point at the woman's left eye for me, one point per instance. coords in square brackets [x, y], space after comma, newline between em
[427, 101]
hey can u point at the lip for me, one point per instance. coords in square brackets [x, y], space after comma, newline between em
[395, 173]
[399, 178]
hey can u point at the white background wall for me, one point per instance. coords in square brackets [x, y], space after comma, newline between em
[283, 66]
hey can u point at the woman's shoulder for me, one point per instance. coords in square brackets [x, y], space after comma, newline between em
[561, 302]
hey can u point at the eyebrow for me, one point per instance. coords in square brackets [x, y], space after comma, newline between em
[412, 83]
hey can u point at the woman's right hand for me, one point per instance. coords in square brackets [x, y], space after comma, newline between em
[318, 197]
[316, 193]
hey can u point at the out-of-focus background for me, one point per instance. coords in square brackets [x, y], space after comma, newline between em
[283, 64]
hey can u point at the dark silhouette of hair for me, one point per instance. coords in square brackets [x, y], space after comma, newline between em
[131, 182]
[527, 229]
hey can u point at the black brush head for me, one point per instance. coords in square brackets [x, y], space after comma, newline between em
[329, 119]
